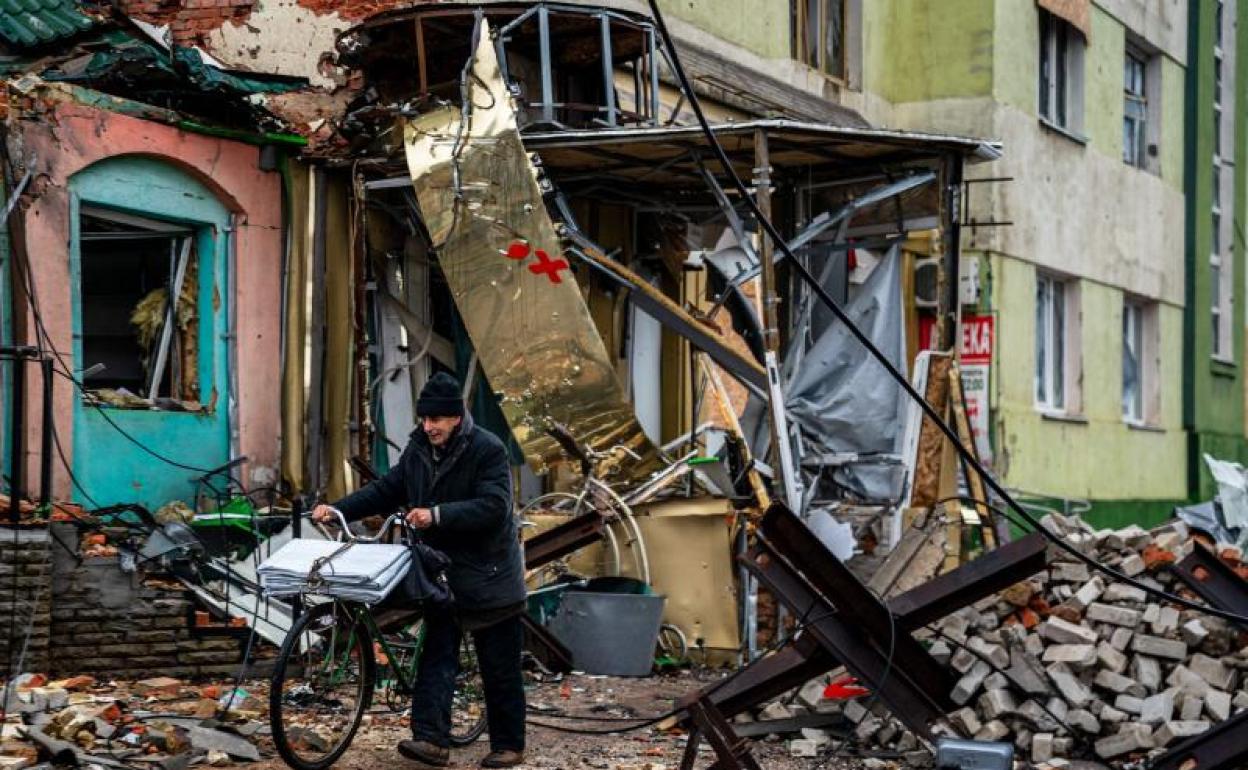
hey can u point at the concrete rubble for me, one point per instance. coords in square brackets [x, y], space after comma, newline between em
[162, 722]
[1073, 667]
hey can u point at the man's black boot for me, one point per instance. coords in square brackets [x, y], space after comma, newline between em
[425, 752]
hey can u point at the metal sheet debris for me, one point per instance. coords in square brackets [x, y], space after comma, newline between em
[482, 204]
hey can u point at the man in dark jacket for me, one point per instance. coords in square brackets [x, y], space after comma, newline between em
[454, 481]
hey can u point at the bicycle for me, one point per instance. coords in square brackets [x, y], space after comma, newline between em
[333, 659]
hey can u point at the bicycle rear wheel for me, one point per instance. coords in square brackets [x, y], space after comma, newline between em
[321, 686]
[468, 721]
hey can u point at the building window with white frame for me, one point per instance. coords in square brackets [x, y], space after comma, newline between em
[1052, 338]
[1221, 279]
[819, 35]
[1134, 108]
[1061, 73]
[1133, 362]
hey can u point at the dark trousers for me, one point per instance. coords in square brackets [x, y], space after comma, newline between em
[499, 647]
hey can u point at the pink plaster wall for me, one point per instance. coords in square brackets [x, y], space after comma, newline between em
[74, 137]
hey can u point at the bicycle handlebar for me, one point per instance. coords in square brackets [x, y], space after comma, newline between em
[395, 518]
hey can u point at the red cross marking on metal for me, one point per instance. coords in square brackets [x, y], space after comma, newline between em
[548, 267]
[517, 250]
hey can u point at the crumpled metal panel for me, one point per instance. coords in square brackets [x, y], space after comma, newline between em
[519, 300]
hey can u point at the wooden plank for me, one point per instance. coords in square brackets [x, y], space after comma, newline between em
[928, 458]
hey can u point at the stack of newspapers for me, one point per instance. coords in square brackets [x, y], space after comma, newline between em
[363, 572]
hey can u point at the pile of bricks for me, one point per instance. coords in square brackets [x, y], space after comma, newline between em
[1071, 665]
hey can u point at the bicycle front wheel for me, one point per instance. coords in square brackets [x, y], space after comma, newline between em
[321, 686]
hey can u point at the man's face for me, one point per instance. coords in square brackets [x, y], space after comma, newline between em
[439, 429]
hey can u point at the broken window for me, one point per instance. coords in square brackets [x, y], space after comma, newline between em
[1061, 73]
[819, 35]
[1050, 343]
[1134, 109]
[137, 350]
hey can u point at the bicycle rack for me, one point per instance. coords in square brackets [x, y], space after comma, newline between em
[847, 625]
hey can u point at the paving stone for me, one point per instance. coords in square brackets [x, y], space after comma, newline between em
[1027, 674]
[1121, 638]
[1156, 646]
[1034, 646]
[1069, 572]
[1157, 709]
[970, 682]
[868, 727]
[941, 652]
[1108, 613]
[1117, 683]
[1189, 681]
[994, 730]
[1240, 701]
[1110, 658]
[993, 653]
[803, 747]
[1073, 690]
[996, 681]
[1218, 705]
[1190, 708]
[1135, 536]
[1060, 631]
[1130, 737]
[1194, 632]
[1172, 731]
[1129, 704]
[1077, 656]
[966, 720]
[1132, 565]
[962, 660]
[1212, 671]
[1123, 592]
[1146, 671]
[1082, 719]
[1036, 715]
[1041, 747]
[1088, 593]
[1167, 620]
[994, 704]
[1151, 613]
[1113, 715]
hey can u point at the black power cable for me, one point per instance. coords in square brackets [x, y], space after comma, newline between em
[814, 285]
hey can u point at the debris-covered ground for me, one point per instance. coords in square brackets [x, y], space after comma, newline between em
[166, 724]
[1073, 664]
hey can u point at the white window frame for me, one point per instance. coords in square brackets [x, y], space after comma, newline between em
[1060, 91]
[1135, 107]
[1057, 362]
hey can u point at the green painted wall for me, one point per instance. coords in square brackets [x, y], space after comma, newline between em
[1173, 118]
[917, 50]
[1099, 456]
[760, 26]
[1102, 84]
[1015, 46]
[1214, 391]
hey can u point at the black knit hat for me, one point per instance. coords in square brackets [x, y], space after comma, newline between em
[440, 397]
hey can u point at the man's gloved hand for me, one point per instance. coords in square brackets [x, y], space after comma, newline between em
[420, 518]
[324, 514]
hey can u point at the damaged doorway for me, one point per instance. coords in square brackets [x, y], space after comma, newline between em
[141, 231]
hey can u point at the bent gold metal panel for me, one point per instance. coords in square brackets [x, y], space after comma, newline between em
[480, 199]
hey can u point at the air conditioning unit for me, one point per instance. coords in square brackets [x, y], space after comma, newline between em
[926, 273]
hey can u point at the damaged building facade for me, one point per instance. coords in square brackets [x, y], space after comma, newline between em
[1044, 78]
[619, 303]
[633, 312]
